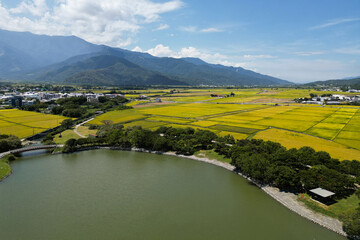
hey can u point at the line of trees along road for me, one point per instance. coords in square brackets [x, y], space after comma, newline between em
[266, 162]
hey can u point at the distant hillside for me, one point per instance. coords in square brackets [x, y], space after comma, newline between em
[23, 51]
[195, 71]
[352, 83]
[30, 57]
[106, 70]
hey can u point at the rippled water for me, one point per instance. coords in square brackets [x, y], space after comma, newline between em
[126, 195]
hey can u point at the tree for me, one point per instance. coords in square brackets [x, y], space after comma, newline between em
[286, 178]
[103, 99]
[160, 144]
[67, 124]
[70, 146]
[185, 147]
[351, 224]
[320, 176]
[57, 110]
[137, 138]
[9, 142]
[205, 138]
[73, 112]
[229, 139]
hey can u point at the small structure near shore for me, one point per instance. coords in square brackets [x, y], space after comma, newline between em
[322, 195]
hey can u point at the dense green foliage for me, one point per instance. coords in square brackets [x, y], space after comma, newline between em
[76, 107]
[9, 142]
[351, 224]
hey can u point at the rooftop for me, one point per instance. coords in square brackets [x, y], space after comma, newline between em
[322, 192]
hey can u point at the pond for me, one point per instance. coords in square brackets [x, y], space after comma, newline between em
[104, 194]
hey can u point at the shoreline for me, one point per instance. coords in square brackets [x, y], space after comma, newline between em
[288, 200]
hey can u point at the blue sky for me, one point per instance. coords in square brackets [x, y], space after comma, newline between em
[300, 41]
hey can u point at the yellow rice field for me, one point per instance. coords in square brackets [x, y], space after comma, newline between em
[297, 140]
[331, 128]
[24, 123]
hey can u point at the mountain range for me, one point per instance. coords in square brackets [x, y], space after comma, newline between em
[70, 60]
[346, 82]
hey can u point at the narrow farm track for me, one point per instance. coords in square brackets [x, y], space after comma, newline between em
[76, 127]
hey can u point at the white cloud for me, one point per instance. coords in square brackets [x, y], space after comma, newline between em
[194, 29]
[165, 51]
[188, 28]
[161, 51]
[261, 56]
[104, 22]
[308, 53]
[334, 22]
[301, 71]
[35, 7]
[211, 30]
[137, 49]
[162, 27]
[355, 50]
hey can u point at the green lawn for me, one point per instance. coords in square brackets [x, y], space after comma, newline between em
[66, 135]
[5, 169]
[212, 155]
[336, 210]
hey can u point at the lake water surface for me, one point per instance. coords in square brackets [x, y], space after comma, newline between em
[107, 194]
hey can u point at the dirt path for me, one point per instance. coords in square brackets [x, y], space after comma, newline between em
[80, 124]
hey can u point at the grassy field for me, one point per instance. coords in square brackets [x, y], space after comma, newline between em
[24, 123]
[344, 206]
[85, 131]
[66, 135]
[212, 155]
[5, 169]
[330, 128]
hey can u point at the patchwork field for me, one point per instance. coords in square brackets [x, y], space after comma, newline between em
[296, 140]
[331, 128]
[24, 123]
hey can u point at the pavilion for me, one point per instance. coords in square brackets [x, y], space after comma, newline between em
[322, 195]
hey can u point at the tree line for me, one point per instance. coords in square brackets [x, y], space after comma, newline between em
[76, 107]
